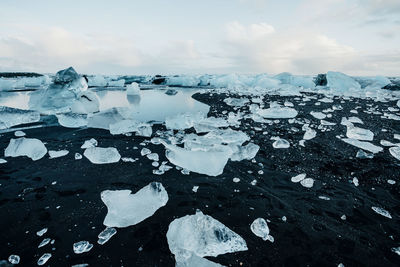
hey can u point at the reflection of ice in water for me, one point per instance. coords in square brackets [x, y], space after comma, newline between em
[152, 105]
[15, 100]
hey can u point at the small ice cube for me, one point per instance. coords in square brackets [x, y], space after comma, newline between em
[78, 156]
[355, 181]
[145, 151]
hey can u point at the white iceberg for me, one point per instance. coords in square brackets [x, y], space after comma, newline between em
[125, 209]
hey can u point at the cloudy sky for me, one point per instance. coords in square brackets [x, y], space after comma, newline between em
[358, 37]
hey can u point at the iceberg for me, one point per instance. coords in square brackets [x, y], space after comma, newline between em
[30, 147]
[66, 76]
[125, 209]
[102, 155]
[260, 228]
[201, 235]
[301, 81]
[85, 103]
[338, 81]
[10, 117]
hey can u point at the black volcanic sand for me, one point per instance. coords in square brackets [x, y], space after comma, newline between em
[314, 233]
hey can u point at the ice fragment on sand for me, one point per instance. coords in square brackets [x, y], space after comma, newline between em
[361, 154]
[14, 259]
[363, 145]
[44, 242]
[281, 143]
[57, 154]
[195, 188]
[355, 181]
[126, 209]
[19, 133]
[82, 247]
[43, 259]
[395, 152]
[307, 182]
[201, 235]
[41, 232]
[106, 234]
[260, 228]
[309, 133]
[359, 133]
[30, 147]
[89, 143]
[298, 178]
[382, 212]
[236, 180]
[3, 161]
[78, 156]
[318, 115]
[102, 155]
[13, 116]
[277, 112]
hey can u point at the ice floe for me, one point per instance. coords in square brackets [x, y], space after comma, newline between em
[126, 209]
[260, 228]
[30, 147]
[363, 145]
[72, 120]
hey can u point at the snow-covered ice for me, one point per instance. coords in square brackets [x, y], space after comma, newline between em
[30, 147]
[102, 155]
[281, 143]
[72, 120]
[126, 209]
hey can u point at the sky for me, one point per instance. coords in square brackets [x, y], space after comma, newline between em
[357, 37]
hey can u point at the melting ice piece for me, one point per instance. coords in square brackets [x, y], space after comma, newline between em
[210, 162]
[318, 115]
[307, 182]
[201, 235]
[102, 155]
[395, 152]
[106, 234]
[44, 242]
[89, 143]
[42, 260]
[361, 154]
[277, 112]
[57, 154]
[359, 133]
[248, 152]
[104, 119]
[82, 247]
[298, 178]
[41, 232]
[309, 133]
[19, 133]
[124, 126]
[363, 145]
[85, 103]
[13, 116]
[396, 250]
[133, 89]
[281, 143]
[72, 120]
[260, 228]
[30, 147]
[3, 161]
[183, 121]
[126, 209]
[14, 259]
[382, 212]
[341, 82]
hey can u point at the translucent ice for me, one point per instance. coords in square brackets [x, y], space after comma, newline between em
[102, 155]
[354, 132]
[277, 112]
[19, 133]
[382, 212]
[30, 147]
[57, 154]
[363, 145]
[281, 143]
[10, 117]
[106, 234]
[43, 259]
[307, 182]
[41, 232]
[71, 120]
[14, 259]
[44, 242]
[309, 133]
[85, 102]
[124, 126]
[126, 209]
[341, 82]
[395, 152]
[361, 154]
[89, 143]
[298, 178]
[260, 228]
[318, 115]
[133, 89]
[201, 235]
[183, 121]
[82, 247]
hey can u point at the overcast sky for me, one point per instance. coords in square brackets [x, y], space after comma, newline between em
[358, 37]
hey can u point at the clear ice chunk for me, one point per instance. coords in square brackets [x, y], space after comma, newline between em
[43, 259]
[106, 234]
[201, 235]
[354, 132]
[72, 120]
[382, 212]
[57, 154]
[10, 117]
[102, 155]
[14, 259]
[82, 247]
[30, 147]
[277, 112]
[89, 143]
[260, 228]
[126, 209]
[281, 143]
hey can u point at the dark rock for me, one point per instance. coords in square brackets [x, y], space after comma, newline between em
[394, 86]
[19, 74]
[158, 80]
[66, 76]
[171, 92]
[321, 80]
